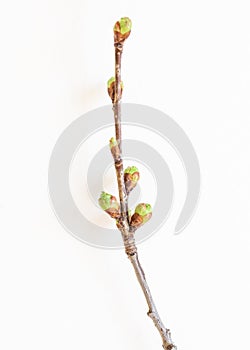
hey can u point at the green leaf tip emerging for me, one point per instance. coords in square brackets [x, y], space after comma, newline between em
[142, 214]
[131, 170]
[109, 204]
[110, 81]
[122, 29]
[104, 200]
[123, 26]
[112, 142]
[107, 201]
[143, 209]
[111, 88]
[114, 148]
[131, 177]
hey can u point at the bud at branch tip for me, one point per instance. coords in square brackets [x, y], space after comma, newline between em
[123, 26]
[122, 30]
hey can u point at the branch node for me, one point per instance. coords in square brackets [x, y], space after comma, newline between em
[129, 243]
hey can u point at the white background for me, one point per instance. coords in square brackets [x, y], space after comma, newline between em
[191, 59]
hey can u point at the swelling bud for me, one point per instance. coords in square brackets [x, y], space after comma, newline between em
[142, 214]
[111, 88]
[131, 177]
[122, 29]
[109, 204]
[114, 148]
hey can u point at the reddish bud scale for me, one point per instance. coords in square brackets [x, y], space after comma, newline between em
[136, 221]
[119, 38]
[143, 213]
[114, 213]
[111, 91]
[131, 180]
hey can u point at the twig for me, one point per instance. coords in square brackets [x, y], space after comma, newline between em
[126, 225]
[152, 312]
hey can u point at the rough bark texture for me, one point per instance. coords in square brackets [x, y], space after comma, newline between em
[123, 225]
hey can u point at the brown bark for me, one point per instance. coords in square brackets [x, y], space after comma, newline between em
[123, 224]
[118, 156]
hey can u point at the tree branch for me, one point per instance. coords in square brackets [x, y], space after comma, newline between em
[127, 230]
[118, 156]
[152, 312]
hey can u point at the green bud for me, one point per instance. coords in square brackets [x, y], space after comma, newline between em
[112, 142]
[111, 88]
[109, 204]
[104, 200]
[131, 177]
[143, 209]
[131, 170]
[143, 213]
[107, 201]
[122, 30]
[110, 81]
[114, 148]
[123, 26]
